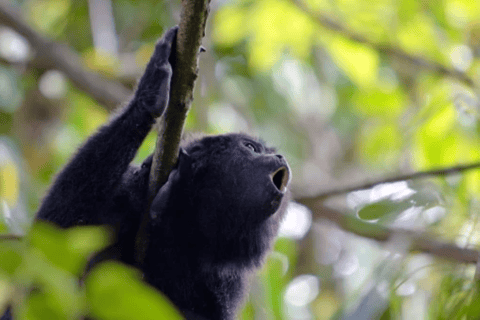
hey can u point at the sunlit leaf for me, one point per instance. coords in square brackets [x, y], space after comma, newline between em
[230, 26]
[48, 16]
[9, 182]
[263, 23]
[380, 103]
[418, 36]
[439, 142]
[441, 123]
[472, 181]
[358, 61]
[102, 61]
[461, 12]
[407, 9]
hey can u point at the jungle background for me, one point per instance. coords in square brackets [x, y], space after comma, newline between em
[374, 104]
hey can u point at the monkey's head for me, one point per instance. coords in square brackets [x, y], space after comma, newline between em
[229, 191]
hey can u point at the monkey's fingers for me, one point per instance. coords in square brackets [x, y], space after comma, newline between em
[170, 35]
[163, 48]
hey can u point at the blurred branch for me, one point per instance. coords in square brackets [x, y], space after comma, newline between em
[61, 57]
[185, 71]
[419, 241]
[10, 237]
[389, 50]
[410, 176]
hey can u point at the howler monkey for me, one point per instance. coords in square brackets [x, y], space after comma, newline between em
[212, 222]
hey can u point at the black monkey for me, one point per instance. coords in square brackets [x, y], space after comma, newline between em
[212, 222]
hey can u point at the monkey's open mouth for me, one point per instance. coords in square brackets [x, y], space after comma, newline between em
[280, 178]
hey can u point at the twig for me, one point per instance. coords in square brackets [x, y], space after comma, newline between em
[420, 241]
[61, 57]
[4, 237]
[410, 176]
[414, 60]
[185, 69]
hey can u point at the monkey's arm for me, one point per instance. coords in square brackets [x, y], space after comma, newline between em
[85, 185]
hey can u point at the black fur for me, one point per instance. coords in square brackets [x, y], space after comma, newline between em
[212, 222]
[215, 223]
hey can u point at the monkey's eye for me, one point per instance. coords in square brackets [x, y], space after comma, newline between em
[251, 146]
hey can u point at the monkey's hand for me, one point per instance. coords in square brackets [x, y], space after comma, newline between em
[153, 90]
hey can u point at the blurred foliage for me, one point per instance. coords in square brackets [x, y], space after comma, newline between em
[345, 101]
[40, 275]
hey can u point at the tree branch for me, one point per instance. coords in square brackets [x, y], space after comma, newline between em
[61, 57]
[185, 69]
[419, 241]
[410, 176]
[414, 60]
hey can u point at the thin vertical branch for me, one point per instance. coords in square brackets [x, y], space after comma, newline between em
[185, 70]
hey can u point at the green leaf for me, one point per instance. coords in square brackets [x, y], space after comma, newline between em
[274, 281]
[57, 288]
[68, 249]
[10, 256]
[377, 210]
[230, 27]
[419, 36]
[86, 240]
[378, 103]
[116, 292]
[263, 22]
[38, 307]
[9, 182]
[474, 306]
[360, 63]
